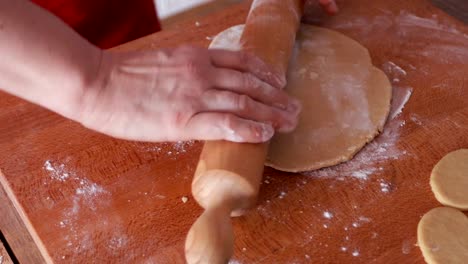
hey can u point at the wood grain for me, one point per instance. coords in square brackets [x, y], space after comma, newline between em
[121, 201]
[17, 230]
[4, 256]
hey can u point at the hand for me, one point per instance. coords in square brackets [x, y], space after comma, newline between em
[187, 93]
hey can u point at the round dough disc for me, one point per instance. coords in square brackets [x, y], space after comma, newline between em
[443, 236]
[346, 100]
[449, 180]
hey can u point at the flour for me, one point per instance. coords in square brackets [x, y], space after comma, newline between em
[367, 161]
[282, 195]
[401, 97]
[384, 187]
[56, 172]
[88, 197]
[327, 215]
[364, 219]
[364, 174]
[89, 189]
[175, 148]
[181, 146]
[117, 242]
[355, 253]
[406, 247]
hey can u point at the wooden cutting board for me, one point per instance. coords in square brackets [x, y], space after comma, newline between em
[75, 196]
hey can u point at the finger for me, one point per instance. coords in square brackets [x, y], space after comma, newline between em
[330, 6]
[247, 62]
[245, 83]
[225, 126]
[245, 107]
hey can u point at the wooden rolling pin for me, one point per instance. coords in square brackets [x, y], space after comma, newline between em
[228, 175]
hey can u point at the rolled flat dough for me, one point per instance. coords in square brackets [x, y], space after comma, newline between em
[449, 180]
[443, 236]
[346, 100]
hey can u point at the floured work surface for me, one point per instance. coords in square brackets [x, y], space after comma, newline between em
[90, 197]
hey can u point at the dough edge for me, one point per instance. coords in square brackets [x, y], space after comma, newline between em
[424, 228]
[440, 191]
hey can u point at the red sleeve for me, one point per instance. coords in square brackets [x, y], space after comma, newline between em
[106, 23]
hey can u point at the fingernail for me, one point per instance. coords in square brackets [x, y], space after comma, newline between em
[294, 106]
[288, 127]
[280, 106]
[233, 136]
[265, 132]
[281, 80]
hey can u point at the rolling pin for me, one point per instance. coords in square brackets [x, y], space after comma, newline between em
[228, 175]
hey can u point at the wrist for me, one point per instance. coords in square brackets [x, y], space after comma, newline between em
[84, 80]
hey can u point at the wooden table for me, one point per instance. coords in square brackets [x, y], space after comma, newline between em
[70, 195]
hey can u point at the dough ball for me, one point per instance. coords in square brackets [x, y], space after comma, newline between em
[449, 180]
[443, 236]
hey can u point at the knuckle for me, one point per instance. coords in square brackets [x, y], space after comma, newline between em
[182, 115]
[244, 58]
[243, 103]
[248, 81]
[228, 122]
[194, 72]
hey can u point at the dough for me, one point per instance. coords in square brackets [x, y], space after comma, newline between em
[449, 180]
[443, 236]
[345, 99]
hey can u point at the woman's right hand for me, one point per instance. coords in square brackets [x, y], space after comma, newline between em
[187, 93]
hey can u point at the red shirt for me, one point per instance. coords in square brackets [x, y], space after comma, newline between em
[106, 23]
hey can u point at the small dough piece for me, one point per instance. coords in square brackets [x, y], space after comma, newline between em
[443, 236]
[449, 180]
[345, 99]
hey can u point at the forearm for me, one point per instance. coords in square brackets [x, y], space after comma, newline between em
[43, 60]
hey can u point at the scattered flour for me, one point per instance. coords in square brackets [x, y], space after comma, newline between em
[56, 172]
[401, 96]
[355, 253]
[363, 174]
[282, 195]
[367, 161]
[364, 219]
[361, 220]
[406, 247]
[176, 148]
[327, 215]
[384, 187]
